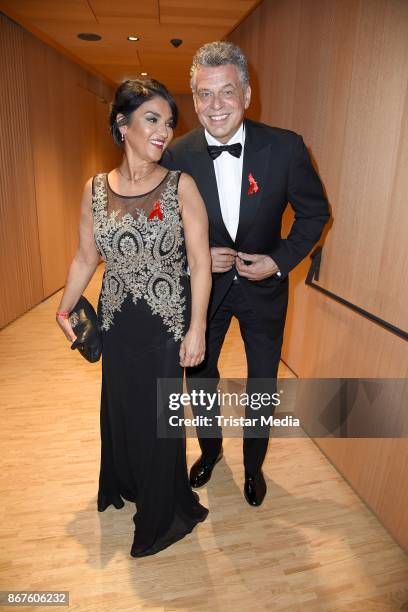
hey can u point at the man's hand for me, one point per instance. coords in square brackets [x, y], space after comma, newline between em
[223, 258]
[262, 266]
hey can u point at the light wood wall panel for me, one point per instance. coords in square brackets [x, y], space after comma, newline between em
[336, 71]
[20, 264]
[317, 55]
[70, 144]
[54, 121]
[57, 138]
[377, 469]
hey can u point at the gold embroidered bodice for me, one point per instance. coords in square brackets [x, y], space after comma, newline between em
[141, 240]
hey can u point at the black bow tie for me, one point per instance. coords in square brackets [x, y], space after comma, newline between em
[235, 150]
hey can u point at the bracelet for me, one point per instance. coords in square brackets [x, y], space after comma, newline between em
[64, 315]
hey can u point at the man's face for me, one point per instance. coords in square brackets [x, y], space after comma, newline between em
[220, 100]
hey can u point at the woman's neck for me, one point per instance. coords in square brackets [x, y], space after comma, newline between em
[134, 170]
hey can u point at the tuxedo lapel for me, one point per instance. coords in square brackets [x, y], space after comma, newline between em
[204, 175]
[256, 156]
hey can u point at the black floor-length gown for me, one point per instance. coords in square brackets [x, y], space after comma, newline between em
[143, 309]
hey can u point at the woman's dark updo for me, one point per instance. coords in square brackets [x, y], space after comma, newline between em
[130, 95]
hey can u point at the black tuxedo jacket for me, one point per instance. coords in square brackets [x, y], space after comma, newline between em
[279, 162]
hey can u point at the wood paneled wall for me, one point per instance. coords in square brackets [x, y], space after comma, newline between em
[20, 263]
[54, 135]
[336, 71]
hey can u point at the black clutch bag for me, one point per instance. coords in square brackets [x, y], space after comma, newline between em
[85, 324]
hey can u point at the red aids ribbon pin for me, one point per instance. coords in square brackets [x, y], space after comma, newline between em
[156, 212]
[253, 185]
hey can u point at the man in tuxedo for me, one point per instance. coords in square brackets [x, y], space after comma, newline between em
[246, 173]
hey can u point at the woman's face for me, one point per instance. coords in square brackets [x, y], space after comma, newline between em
[149, 130]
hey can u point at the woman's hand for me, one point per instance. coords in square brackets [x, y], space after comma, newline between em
[66, 327]
[192, 348]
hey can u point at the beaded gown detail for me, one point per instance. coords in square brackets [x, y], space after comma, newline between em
[144, 310]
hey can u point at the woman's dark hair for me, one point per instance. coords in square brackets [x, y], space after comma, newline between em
[130, 95]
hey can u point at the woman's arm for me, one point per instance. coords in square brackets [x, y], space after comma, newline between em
[195, 221]
[83, 265]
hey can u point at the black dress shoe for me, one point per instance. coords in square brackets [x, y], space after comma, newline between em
[201, 471]
[255, 488]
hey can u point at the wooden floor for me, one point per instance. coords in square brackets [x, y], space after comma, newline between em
[311, 546]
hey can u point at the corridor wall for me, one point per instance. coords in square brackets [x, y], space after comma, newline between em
[336, 71]
[54, 136]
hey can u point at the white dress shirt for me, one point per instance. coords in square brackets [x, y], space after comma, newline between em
[228, 172]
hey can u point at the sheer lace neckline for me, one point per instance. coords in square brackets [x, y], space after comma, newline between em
[140, 195]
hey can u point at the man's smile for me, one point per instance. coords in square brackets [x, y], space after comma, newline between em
[218, 117]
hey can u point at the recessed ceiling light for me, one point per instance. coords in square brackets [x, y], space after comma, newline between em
[143, 74]
[89, 36]
[133, 38]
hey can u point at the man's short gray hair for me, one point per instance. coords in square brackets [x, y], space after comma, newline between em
[220, 53]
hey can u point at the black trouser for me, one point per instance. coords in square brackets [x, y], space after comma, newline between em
[262, 353]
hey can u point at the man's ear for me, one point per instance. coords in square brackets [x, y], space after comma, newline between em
[195, 102]
[247, 97]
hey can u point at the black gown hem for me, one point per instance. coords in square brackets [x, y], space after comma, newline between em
[104, 501]
[152, 550]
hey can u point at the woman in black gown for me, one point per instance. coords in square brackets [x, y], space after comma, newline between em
[147, 223]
